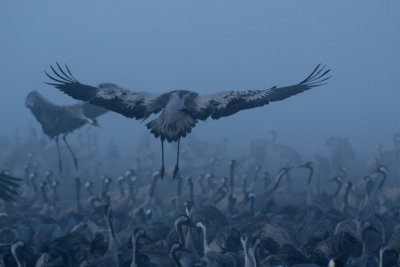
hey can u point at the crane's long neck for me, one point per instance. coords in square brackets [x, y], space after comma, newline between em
[337, 191]
[256, 175]
[44, 195]
[380, 186]
[345, 200]
[20, 262]
[202, 186]
[189, 239]
[212, 167]
[252, 253]
[231, 180]
[78, 199]
[310, 193]
[310, 176]
[113, 240]
[34, 186]
[367, 196]
[266, 182]
[247, 261]
[106, 188]
[90, 192]
[179, 232]
[379, 192]
[244, 186]
[252, 201]
[121, 189]
[278, 180]
[133, 262]
[175, 259]
[191, 192]
[364, 245]
[130, 185]
[152, 189]
[26, 174]
[55, 197]
[206, 248]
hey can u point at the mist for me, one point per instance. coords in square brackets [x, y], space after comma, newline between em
[208, 47]
[313, 180]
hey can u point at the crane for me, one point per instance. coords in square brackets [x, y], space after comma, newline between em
[62, 120]
[180, 110]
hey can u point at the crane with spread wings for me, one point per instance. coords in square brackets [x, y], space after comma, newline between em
[179, 110]
[62, 120]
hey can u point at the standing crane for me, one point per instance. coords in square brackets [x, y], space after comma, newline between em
[179, 110]
[62, 120]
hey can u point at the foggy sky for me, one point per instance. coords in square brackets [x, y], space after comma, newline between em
[211, 46]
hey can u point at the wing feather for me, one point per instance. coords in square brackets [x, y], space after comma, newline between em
[138, 105]
[8, 186]
[228, 103]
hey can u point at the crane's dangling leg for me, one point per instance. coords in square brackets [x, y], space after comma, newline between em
[59, 155]
[162, 171]
[176, 170]
[70, 150]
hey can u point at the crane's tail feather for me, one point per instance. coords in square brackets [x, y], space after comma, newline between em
[171, 131]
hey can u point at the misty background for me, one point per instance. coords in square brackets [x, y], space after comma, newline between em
[212, 46]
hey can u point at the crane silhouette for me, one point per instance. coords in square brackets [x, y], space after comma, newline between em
[179, 110]
[62, 120]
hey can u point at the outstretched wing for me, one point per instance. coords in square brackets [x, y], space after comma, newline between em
[138, 105]
[228, 103]
[8, 186]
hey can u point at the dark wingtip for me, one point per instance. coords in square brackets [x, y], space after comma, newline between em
[70, 73]
[62, 77]
[317, 77]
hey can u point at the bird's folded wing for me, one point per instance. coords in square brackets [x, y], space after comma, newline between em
[138, 105]
[44, 111]
[227, 103]
[34, 100]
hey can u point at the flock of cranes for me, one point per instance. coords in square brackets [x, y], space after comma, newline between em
[229, 215]
[239, 213]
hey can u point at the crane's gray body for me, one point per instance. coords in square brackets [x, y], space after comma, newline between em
[56, 120]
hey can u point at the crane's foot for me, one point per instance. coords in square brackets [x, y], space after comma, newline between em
[162, 172]
[176, 170]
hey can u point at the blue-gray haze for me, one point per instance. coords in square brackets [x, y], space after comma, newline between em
[209, 46]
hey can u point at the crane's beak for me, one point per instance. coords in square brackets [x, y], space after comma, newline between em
[94, 123]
